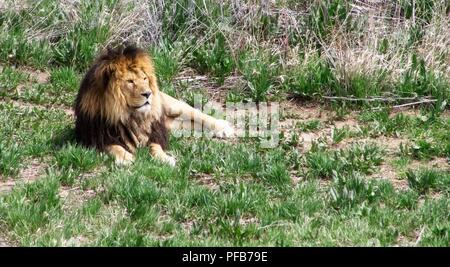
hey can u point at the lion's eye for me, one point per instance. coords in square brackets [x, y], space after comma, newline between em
[145, 78]
[130, 81]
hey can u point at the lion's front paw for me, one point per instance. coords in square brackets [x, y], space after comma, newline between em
[223, 129]
[170, 160]
[124, 159]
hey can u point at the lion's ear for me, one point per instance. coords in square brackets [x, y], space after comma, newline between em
[104, 72]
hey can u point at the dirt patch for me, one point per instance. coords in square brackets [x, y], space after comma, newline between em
[75, 241]
[13, 6]
[194, 81]
[205, 84]
[6, 186]
[295, 178]
[4, 242]
[307, 139]
[387, 172]
[404, 241]
[219, 93]
[36, 75]
[412, 240]
[298, 110]
[33, 169]
[405, 111]
[27, 105]
[206, 180]
[391, 145]
[75, 196]
[247, 219]
[187, 225]
[351, 123]
[438, 163]
[295, 112]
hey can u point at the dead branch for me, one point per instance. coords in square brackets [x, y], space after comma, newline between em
[370, 99]
[415, 103]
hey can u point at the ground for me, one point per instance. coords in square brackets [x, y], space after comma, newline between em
[364, 146]
[359, 177]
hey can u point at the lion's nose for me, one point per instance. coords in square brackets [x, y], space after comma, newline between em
[146, 94]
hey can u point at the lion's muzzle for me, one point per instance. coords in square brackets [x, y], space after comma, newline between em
[146, 94]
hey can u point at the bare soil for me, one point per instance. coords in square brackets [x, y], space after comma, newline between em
[32, 170]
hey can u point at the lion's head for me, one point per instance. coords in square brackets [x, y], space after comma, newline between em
[120, 82]
[120, 85]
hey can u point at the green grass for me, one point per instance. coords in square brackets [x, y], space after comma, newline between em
[219, 42]
[249, 200]
[214, 58]
[308, 126]
[351, 190]
[260, 72]
[10, 78]
[28, 133]
[427, 179]
[167, 59]
[10, 159]
[339, 134]
[65, 80]
[229, 193]
[360, 158]
[61, 88]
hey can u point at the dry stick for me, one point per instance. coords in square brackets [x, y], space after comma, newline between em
[409, 104]
[276, 223]
[369, 99]
[422, 101]
[415, 103]
[419, 238]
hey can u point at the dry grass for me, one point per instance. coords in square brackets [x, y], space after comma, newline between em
[355, 52]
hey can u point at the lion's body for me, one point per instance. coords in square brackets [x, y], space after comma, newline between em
[119, 107]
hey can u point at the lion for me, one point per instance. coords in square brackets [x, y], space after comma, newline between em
[120, 108]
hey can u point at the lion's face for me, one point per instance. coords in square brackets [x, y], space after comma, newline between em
[120, 83]
[136, 89]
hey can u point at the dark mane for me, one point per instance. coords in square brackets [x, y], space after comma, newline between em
[129, 52]
[98, 133]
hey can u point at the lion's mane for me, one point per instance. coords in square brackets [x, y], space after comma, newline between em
[102, 117]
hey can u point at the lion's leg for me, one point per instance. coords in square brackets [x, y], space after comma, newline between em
[176, 109]
[121, 156]
[157, 152]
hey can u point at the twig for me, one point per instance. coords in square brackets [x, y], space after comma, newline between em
[371, 99]
[71, 189]
[386, 100]
[415, 103]
[408, 104]
[419, 238]
[275, 224]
